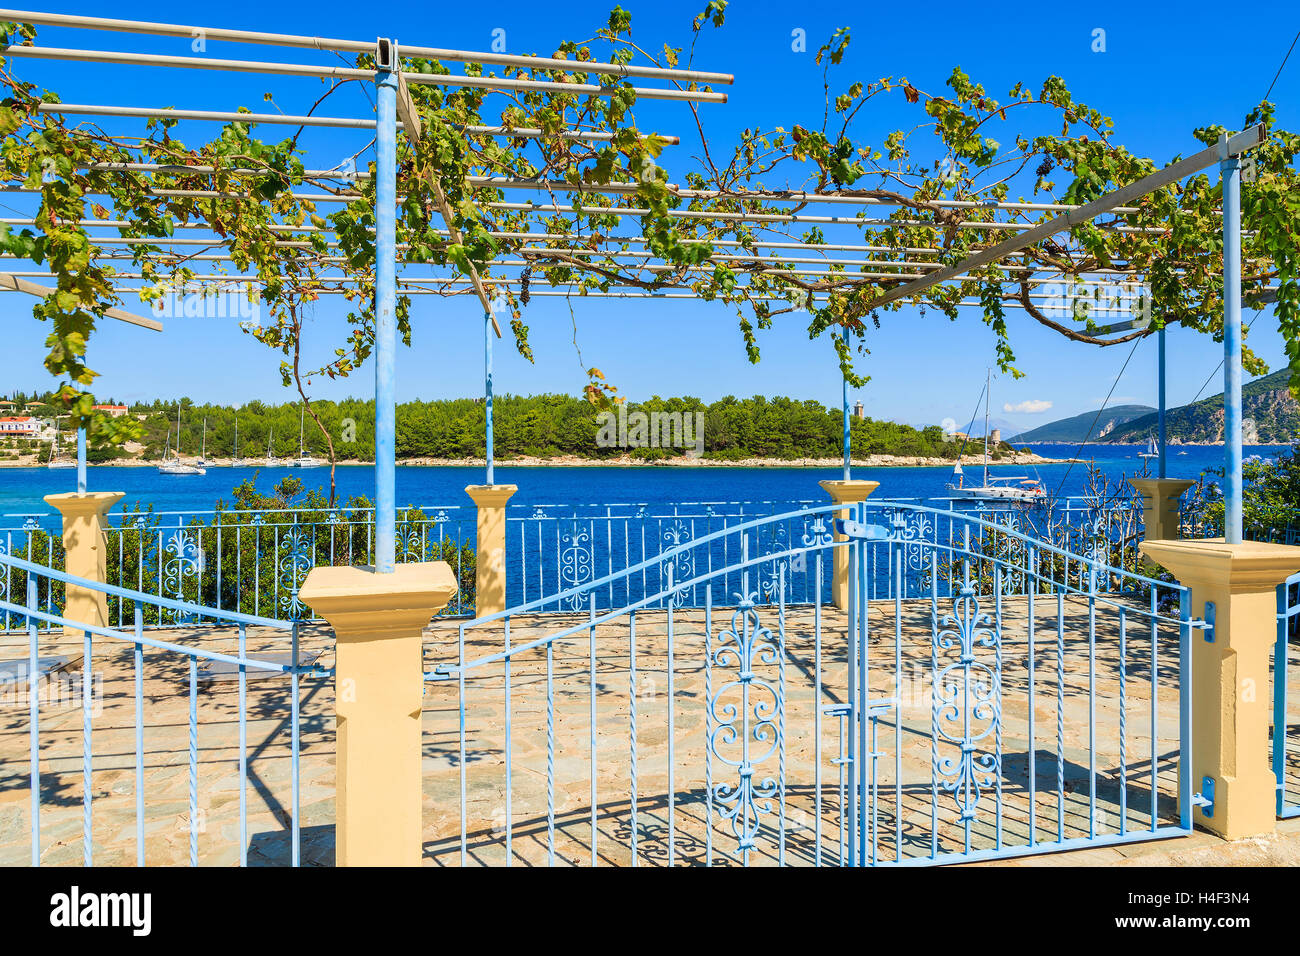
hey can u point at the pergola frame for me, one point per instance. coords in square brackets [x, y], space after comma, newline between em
[394, 111]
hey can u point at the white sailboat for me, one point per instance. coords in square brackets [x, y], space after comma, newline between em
[202, 460]
[172, 465]
[1018, 488]
[56, 461]
[304, 460]
[271, 460]
[236, 461]
[1151, 450]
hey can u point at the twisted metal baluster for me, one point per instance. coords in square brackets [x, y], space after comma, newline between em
[243, 745]
[1123, 726]
[1060, 715]
[139, 736]
[194, 761]
[509, 749]
[780, 714]
[631, 684]
[591, 643]
[34, 719]
[1031, 589]
[550, 753]
[87, 752]
[708, 724]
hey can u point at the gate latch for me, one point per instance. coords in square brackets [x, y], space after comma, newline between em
[1205, 799]
[860, 531]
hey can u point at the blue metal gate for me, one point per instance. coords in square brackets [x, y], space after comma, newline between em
[1286, 719]
[1004, 697]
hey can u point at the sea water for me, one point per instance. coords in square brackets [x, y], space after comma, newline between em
[22, 489]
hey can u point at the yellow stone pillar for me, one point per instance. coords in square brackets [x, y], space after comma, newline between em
[378, 621]
[490, 565]
[1231, 708]
[85, 554]
[844, 492]
[1160, 506]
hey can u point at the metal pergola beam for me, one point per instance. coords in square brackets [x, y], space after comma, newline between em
[326, 122]
[15, 283]
[492, 84]
[355, 46]
[1236, 144]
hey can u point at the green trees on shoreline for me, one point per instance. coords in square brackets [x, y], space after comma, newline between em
[538, 425]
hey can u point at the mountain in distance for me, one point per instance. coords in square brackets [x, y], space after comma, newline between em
[1087, 426]
[1270, 416]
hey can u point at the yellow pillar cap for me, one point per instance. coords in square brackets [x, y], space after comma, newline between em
[1161, 487]
[849, 491]
[72, 504]
[1249, 566]
[491, 496]
[360, 603]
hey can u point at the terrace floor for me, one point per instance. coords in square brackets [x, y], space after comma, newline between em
[633, 809]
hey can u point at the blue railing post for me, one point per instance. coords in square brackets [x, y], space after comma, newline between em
[1280, 667]
[81, 461]
[1186, 776]
[1230, 168]
[385, 307]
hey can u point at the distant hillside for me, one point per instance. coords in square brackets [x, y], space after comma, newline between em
[1271, 417]
[1077, 428]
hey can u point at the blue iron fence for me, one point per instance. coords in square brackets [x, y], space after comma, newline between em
[148, 751]
[33, 538]
[1195, 523]
[253, 562]
[750, 729]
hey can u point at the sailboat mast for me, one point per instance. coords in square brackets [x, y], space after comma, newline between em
[302, 411]
[988, 383]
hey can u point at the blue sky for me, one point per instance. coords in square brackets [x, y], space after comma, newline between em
[1159, 77]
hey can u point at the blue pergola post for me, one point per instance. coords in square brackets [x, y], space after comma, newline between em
[1160, 402]
[487, 392]
[1230, 169]
[385, 308]
[848, 430]
[81, 460]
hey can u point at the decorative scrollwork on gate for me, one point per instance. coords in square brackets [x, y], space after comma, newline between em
[817, 532]
[410, 541]
[914, 531]
[745, 712]
[1011, 551]
[769, 575]
[295, 561]
[182, 560]
[577, 565]
[967, 706]
[683, 561]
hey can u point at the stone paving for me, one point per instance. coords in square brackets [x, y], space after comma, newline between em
[633, 808]
[166, 765]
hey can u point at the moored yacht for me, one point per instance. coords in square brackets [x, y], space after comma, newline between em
[1018, 488]
[304, 460]
[172, 464]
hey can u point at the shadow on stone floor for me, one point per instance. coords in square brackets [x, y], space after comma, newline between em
[275, 847]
